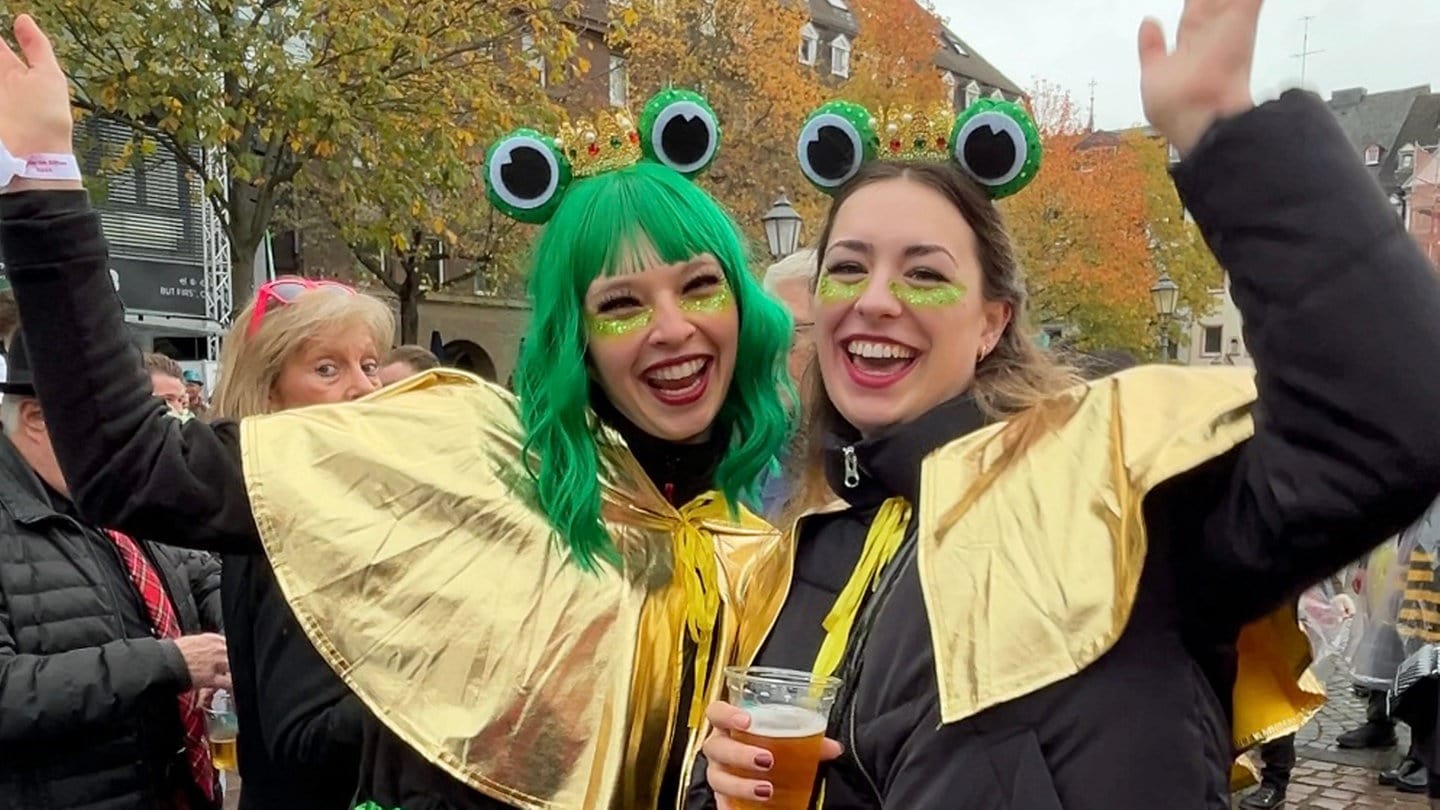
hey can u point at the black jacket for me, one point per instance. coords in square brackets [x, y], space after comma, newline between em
[89, 718]
[154, 476]
[1342, 315]
[184, 481]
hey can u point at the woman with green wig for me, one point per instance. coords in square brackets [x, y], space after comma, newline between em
[533, 598]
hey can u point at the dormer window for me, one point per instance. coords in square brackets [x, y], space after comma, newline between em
[1407, 156]
[972, 93]
[840, 55]
[1372, 155]
[948, 79]
[809, 44]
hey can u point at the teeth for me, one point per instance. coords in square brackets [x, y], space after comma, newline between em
[879, 351]
[689, 368]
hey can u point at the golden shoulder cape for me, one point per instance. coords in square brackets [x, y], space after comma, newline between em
[1063, 486]
[402, 535]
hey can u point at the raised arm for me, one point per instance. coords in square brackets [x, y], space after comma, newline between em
[130, 465]
[1342, 317]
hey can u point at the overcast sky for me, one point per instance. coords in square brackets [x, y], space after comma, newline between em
[1379, 45]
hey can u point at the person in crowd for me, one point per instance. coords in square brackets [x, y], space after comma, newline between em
[1089, 595]
[406, 361]
[535, 598]
[790, 280]
[1413, 697]
[195, 400]
[1277, 758]
[105, 641]
[9, 320]
[167, 381]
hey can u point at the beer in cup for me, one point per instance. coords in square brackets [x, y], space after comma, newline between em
[789, 711]
[222, 728]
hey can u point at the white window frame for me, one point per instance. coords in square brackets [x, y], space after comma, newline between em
[536, 61]
[951, 82]
[619, 82]
[998, 94]
[809, 44]
[840, 55]
[1206, 330]
[972, 93]
[1372, 155]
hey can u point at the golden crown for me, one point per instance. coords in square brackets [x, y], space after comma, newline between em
[907, 133]
[604, 143]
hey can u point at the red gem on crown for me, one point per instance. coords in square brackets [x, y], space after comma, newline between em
[594, 149]
[894, 146]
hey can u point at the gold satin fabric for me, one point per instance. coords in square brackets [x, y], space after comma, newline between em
[402, 533]
[1032, 539]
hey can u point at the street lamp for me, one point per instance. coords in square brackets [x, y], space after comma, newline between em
[782, 227]
[1166, 295]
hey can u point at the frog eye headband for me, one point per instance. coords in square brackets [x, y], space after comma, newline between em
[995, 142]
[527, 173]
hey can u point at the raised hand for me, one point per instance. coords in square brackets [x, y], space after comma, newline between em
[1207, 75]
[34, 95]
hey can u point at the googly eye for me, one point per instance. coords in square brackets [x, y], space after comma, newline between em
[997, 144]
[526, 176]
[679, 129]
[835, 142]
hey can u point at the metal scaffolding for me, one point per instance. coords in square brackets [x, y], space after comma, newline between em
[218, 265]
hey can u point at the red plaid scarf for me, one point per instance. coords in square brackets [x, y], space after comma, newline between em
[165, 624]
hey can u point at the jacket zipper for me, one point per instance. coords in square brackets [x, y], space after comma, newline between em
[852, 468]
[854, 753]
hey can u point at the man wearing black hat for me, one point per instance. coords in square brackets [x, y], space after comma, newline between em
[101, 649]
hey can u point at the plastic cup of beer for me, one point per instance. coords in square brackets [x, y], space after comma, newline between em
[222, 728]
[789, 711]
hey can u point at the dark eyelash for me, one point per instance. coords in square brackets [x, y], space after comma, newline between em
[619, 301]
[701, 282]
[928, 275]
[845, 267]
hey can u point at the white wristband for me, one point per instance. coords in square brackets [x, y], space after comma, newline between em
[44, 166]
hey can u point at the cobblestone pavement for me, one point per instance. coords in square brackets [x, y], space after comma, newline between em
[1328, 778]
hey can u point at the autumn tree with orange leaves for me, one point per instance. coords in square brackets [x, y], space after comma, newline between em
[1094, 226]
[740, 54]
[894, 56]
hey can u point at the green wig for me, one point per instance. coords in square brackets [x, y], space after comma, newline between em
[588, 235]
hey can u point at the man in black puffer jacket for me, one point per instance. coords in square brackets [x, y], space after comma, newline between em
[90, 690]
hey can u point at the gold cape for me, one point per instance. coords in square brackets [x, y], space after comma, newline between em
[1030, 568]
[401, 534]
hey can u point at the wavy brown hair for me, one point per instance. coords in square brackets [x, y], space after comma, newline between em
[1014, 377]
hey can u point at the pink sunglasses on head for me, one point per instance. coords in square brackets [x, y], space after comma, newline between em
[285, 290]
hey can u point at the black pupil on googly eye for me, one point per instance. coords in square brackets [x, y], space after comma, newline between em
[526, 172]
[684, 139]
[990, 153]
[831, 153]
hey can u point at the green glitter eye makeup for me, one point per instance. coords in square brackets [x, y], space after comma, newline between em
[602, 327]
[942, 296]
[716, 301]
[615, 327]
[832, 291]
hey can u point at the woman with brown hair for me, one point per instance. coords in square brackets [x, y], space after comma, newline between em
[1041, 595]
